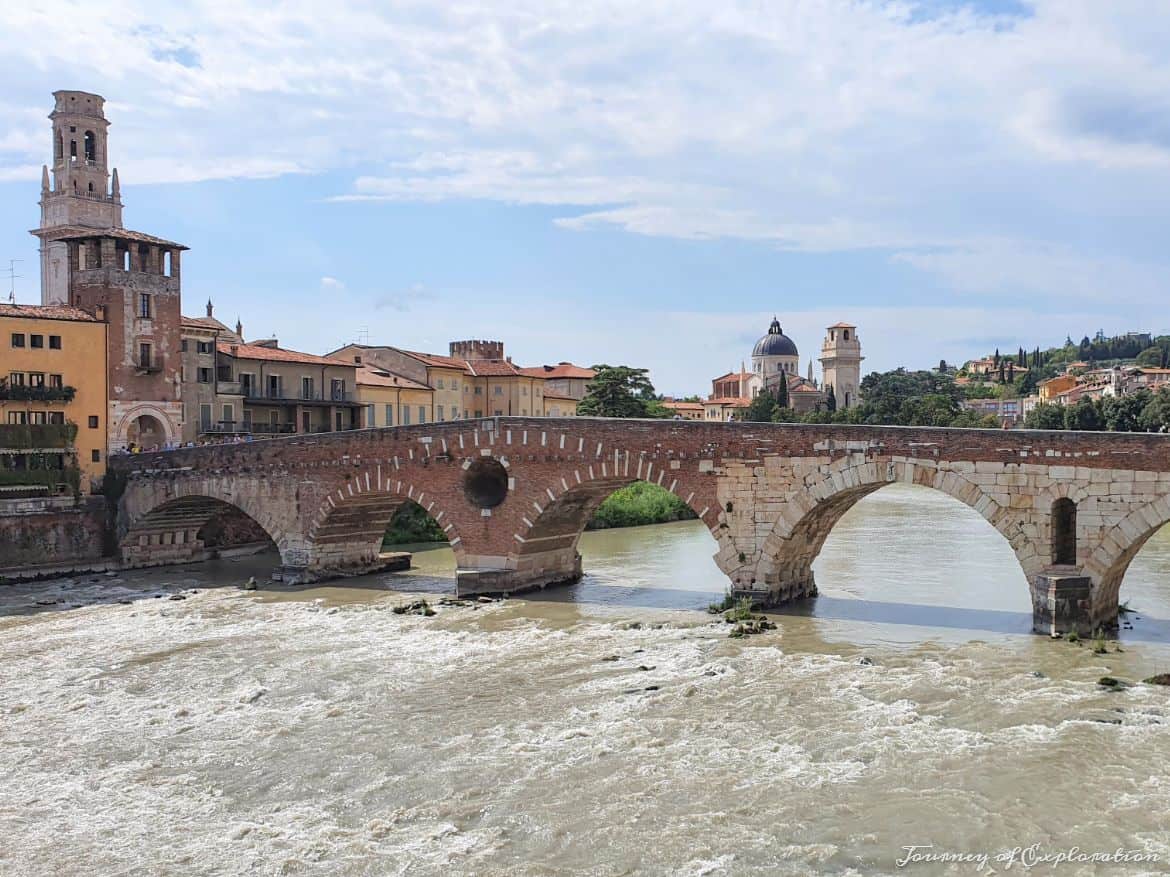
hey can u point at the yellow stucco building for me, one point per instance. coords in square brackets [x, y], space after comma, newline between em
[52, 373]
[388, 399]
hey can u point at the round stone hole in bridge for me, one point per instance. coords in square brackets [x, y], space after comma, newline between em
[485, 483]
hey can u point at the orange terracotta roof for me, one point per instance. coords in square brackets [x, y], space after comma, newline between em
[683, 406]
[730, 375]
[368, 376]
[733, 401]
[276, 354]
[208, 323]
[841, 326]
[491, 368]
[803, 388]
[434, 359]
[560, 370]
[560, 398]
[47, 312]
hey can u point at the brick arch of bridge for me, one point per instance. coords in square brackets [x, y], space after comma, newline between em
[810, 512]
[1115, 551]
[347, 528]
[160, 520]
[554, 509]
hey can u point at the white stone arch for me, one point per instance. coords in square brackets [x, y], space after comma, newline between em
[810, 513]
[138, 409]
[147, 497]
[1108, 562]
[1041, 521]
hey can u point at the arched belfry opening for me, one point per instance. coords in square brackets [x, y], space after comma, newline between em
[1064, 532]
[90, 147]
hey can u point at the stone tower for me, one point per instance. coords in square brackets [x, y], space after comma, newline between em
[78, 193]
[841, 363]
[127, 278]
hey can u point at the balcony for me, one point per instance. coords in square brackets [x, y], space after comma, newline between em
[25, 436]
[145, 367]
[230, 388]
[23, 393]
[274, 428]
[280, 394]
[225, 427]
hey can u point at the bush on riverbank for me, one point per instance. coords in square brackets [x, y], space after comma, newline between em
[637, 504]
[411, 523]
[633, 506]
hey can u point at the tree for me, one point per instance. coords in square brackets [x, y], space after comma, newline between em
[619, 391]
[761, 409]
[1026, 383]
[1151, 357]
[782, 391]
[1155, 416]
[831, 398]
[1085, 415]
[1124, 413]
[1045, 416]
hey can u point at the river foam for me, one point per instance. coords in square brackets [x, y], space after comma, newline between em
[230, 733]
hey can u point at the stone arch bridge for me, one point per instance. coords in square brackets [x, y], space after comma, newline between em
[514, 494]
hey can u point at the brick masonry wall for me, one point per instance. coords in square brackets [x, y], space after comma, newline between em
[54, 536]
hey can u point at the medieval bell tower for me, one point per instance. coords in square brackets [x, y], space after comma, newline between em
[78, 191]
[841, 363]
[129, 279]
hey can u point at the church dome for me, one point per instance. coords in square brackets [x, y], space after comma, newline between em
[775, 343]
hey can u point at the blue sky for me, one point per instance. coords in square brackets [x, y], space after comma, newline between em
[639, 183]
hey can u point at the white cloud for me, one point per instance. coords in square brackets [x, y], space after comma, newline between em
[814, 125]
[332, 284]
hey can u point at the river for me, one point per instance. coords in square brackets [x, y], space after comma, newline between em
[609, 728]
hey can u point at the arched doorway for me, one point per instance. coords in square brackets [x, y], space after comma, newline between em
[146, 432]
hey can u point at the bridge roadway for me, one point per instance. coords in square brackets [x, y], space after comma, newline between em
[513, 495]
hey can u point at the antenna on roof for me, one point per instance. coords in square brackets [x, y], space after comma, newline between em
[12, 275]
[363, 335]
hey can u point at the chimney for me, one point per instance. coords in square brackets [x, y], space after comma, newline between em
[239, 328]
[209, 307]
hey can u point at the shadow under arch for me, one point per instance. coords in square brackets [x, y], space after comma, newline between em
[193, 527]
[348, 529]
[799, 535]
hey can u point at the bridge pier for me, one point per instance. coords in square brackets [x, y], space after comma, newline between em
[488, 575]
[795, 582]
[1066, 602]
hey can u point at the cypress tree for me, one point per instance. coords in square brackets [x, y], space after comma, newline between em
[782, 391]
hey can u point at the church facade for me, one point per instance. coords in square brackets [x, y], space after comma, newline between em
[775, 358]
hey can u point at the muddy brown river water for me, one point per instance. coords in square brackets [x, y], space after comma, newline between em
[610, 728]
